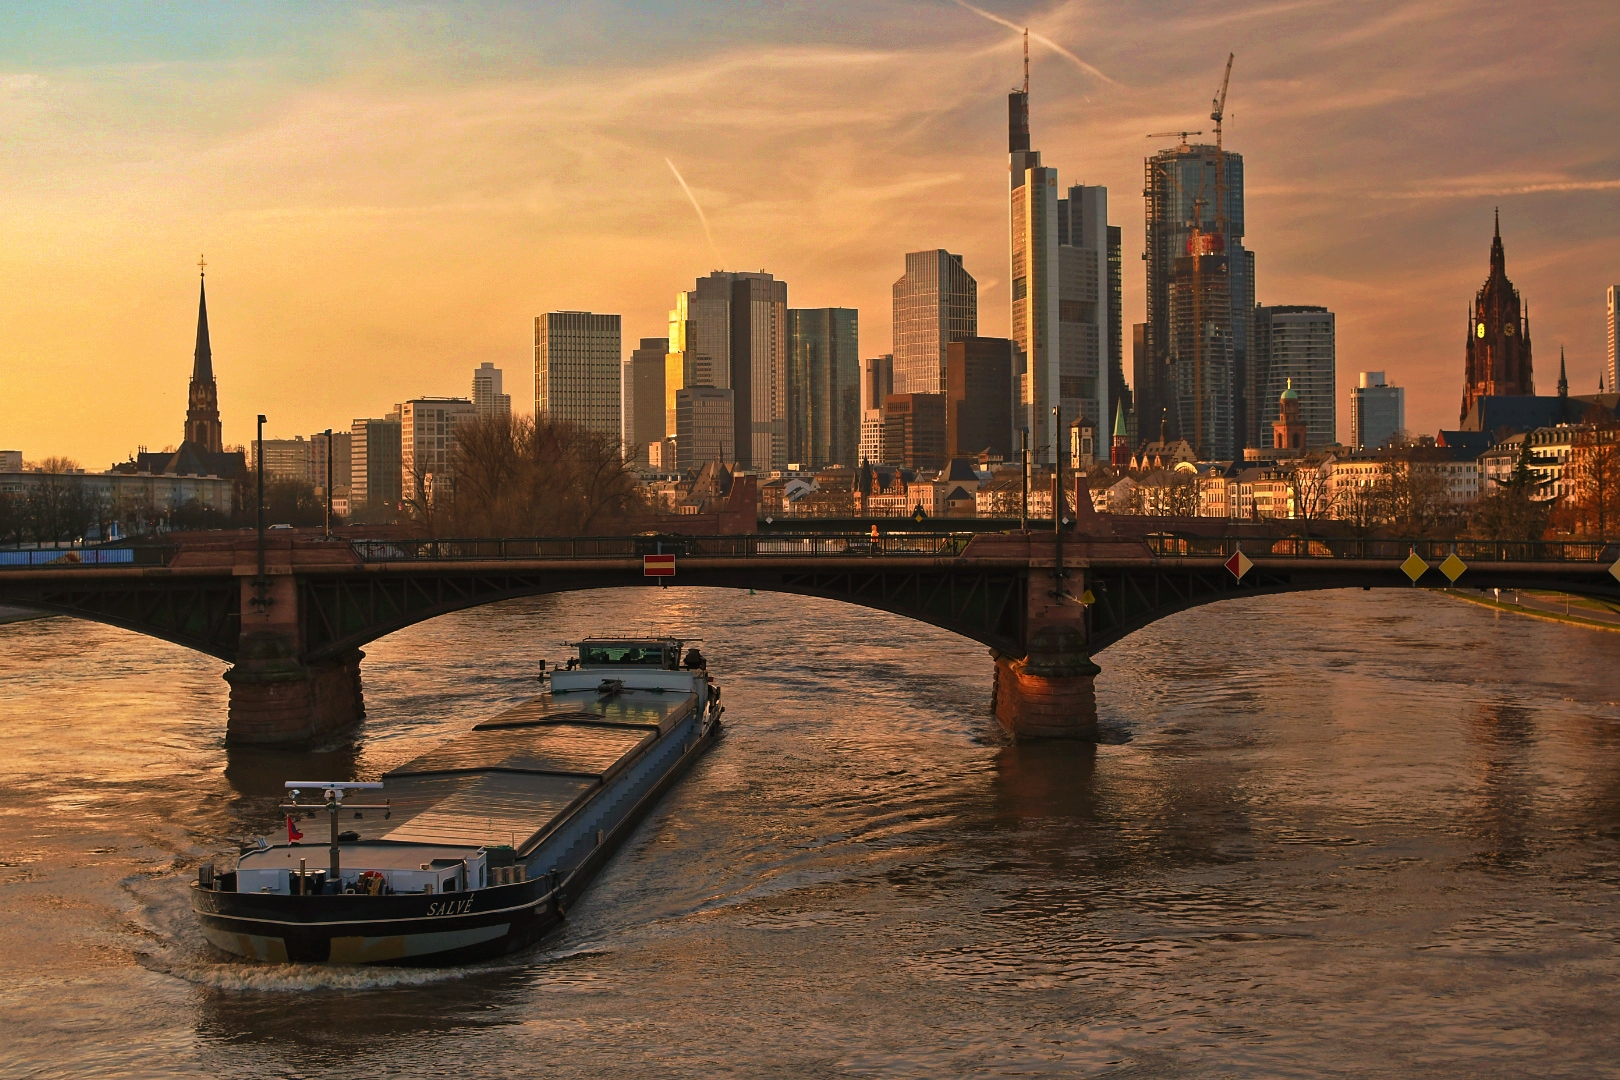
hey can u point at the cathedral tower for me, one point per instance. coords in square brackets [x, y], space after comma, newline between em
[1498, 355]
[202, 414]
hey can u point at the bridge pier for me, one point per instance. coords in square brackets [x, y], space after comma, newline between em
[1048, 693]
[277, 698]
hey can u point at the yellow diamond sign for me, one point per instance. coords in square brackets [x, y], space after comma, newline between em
[1414, 567]
[1453, 567]
[1615, 569]
[1088, 598]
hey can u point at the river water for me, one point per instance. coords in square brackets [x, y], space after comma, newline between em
[1334, 834]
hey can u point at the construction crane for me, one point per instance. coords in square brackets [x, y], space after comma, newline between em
[1182, 135]
[1217, 112]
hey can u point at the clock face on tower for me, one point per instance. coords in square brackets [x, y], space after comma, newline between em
[1508, 330]
[1479, 330]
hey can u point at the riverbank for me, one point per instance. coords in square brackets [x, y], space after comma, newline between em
[1539, 605]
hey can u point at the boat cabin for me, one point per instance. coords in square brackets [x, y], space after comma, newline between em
[661, 653]
[379, 867]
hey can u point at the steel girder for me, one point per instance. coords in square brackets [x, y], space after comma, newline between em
[342, 612]
[200, 613]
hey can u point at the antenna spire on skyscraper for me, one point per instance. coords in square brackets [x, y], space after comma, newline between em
[1026, 59]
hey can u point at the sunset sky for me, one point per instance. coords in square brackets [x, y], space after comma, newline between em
[388, 194]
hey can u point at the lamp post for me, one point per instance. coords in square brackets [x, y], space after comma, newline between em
[329, 483]
[1023, 506]
[260, 600]
[1057, 500]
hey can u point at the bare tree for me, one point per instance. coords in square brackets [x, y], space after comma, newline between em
[1310, 483]
[514, 476]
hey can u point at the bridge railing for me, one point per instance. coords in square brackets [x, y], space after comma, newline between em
[1469, 551]
[69, 558]
[634, 547]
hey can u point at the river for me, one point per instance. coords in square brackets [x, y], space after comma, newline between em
[1340, 834]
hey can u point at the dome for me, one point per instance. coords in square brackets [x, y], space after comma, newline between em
[1290, 394]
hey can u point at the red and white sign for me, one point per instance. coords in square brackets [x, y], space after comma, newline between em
[1238, 564]
[658, 566]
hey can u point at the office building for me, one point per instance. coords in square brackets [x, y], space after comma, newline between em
[877, 383]
[823, 387]
[1294, 346]
[1497, 358]
[1065, 292]
[486, 393]
[703, 426]
[342, 459]
[979, 398]
[1088, 311]
[730, 333]
[1612, 368]
[284, 459]
[914, 431]
[1118, 391]
[374, 463]
[428, 441]
[576, 370]
[1377, 411]
[10, 461]
[641, 398]
[1200, 295]
[936, 302]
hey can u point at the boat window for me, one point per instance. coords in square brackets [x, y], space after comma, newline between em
[628, 655]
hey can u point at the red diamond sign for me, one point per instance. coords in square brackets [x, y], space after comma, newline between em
[658, 566]
[1239, 564]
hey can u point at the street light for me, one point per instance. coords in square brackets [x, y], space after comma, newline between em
[329, 483]
[260, 601]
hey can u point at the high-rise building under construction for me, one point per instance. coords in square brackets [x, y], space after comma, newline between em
[1200, 295]
[1065, 300]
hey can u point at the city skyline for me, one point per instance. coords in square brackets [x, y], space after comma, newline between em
[344, 281]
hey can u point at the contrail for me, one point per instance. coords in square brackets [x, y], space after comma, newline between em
[1048, 42]
[701, 216]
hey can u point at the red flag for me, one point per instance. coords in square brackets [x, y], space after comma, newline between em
[293, 835]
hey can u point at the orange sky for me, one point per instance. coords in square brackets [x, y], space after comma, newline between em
[387, 196]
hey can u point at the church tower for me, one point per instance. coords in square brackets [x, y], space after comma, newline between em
[1498, 356]
[202, 414]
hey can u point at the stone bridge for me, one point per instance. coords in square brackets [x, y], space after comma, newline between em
[1042, 603]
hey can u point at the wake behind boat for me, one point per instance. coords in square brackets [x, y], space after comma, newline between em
[477, 847]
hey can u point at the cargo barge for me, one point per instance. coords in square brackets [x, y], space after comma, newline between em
[477, 847]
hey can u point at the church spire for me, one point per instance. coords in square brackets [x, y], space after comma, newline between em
[1563, 378]
[1498, 257]
[202, 413]
[202, 368]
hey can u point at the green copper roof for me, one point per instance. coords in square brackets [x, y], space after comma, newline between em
[1119, 420]
[1290, 394]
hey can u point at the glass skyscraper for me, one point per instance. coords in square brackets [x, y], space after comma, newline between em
[823, 387]
[936, 302]
[1200, 293]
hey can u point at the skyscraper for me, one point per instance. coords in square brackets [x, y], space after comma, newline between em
[936, 302]
[730, 332]
[979, 397]
[1200, 293]
[703, 431]
[1086, 304]
[1377, 411]
[877, 383]
[1294, 345]
[1613, 366]
[202, 411]
[1062, 288]
[824, 393]
[1497, 360]
[486, 392]
[576, 369]
[641, 394]
[341, 453]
